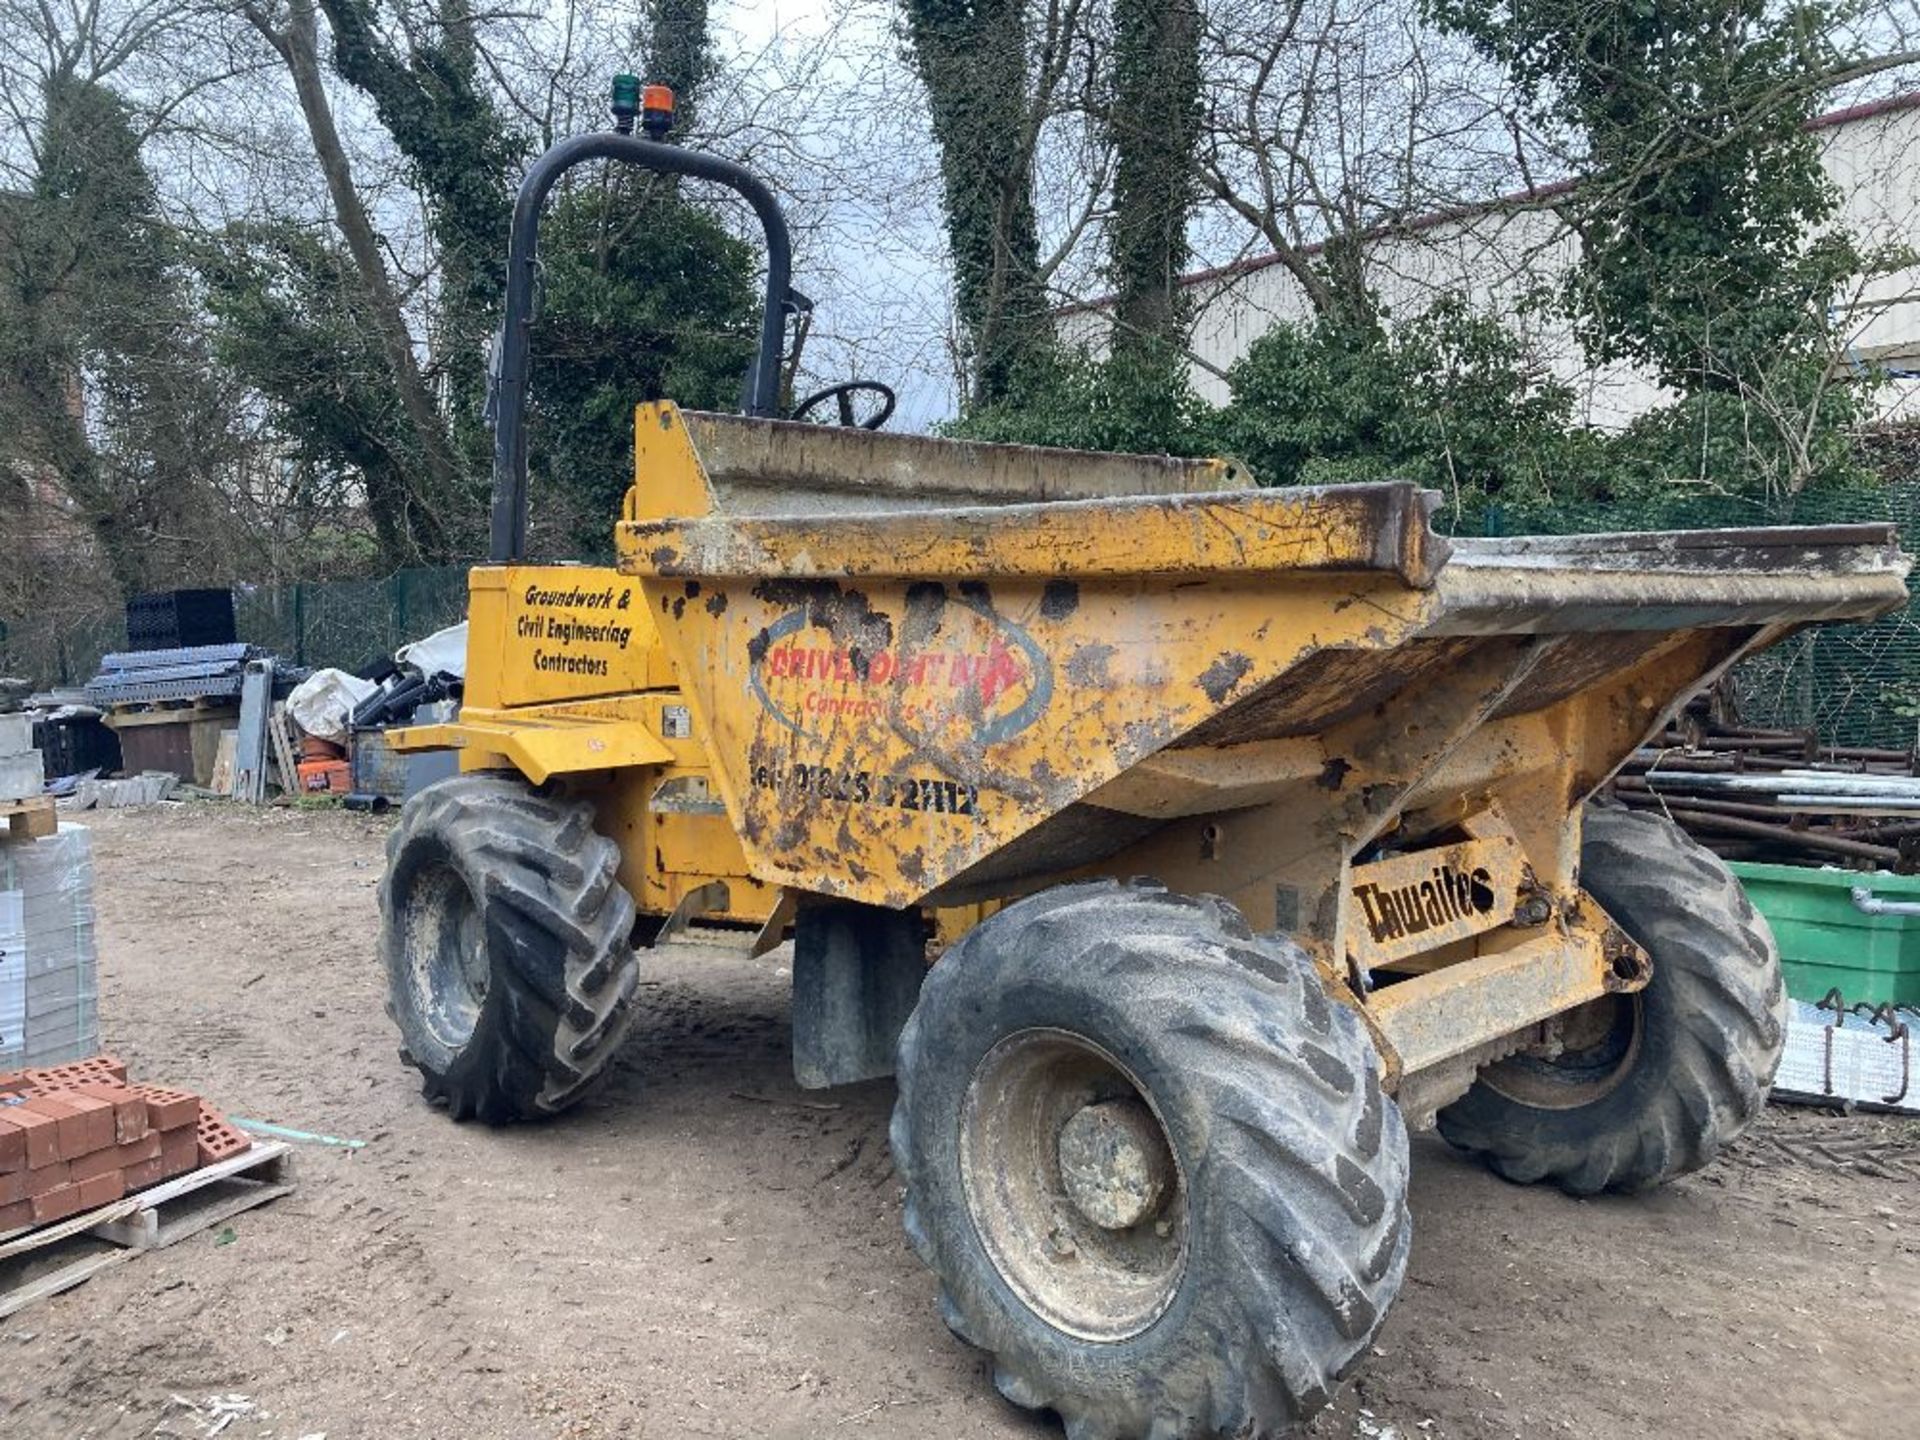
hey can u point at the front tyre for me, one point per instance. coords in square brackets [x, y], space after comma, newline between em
[1151, 1164]
[505, 938]
[1651, 1085]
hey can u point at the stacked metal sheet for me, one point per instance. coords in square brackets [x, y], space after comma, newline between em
[136, 677]
[1855, 1055]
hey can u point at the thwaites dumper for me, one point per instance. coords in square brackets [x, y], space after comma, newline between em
[883, 691]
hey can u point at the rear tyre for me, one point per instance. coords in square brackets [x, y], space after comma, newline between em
[1151, 1164]
[1650, 1085]
[506, 943]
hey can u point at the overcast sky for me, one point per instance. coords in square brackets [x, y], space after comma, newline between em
[870, 250]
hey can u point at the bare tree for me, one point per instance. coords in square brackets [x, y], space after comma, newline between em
[411, 523]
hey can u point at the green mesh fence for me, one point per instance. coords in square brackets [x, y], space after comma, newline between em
[343, 623]
[349, 623]
[1853, 684]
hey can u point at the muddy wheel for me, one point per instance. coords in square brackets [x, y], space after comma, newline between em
[1151, 1164]
[1652, 1085]
[506, 943]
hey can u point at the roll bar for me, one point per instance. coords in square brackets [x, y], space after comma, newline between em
[507, 401]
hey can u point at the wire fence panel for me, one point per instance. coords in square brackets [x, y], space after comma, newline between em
[350, 624]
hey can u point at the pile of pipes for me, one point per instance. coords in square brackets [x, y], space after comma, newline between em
[1779, 795]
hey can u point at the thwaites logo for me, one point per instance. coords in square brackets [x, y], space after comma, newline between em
[952, 675]
[1448, 895]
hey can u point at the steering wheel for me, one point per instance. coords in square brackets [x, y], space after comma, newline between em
[843, 394]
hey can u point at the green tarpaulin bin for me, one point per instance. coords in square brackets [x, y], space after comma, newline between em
[1828, 942]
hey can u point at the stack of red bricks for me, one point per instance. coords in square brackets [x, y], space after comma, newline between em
[77, 1136]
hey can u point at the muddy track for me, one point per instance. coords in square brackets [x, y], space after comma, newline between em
[705, 1250]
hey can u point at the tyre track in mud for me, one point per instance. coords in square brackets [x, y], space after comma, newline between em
[706, 1250]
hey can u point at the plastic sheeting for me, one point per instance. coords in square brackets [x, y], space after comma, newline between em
[49, 990]
[442, 653]
[322, 703]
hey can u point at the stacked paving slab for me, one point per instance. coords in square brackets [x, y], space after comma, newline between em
[22, 774]
[48, 989]
[78, 1136]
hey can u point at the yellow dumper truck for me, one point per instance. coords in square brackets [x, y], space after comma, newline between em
[1176, 843]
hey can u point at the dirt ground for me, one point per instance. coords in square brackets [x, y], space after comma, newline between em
[708, 1251]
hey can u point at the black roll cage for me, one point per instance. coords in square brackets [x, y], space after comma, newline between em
[508, 399]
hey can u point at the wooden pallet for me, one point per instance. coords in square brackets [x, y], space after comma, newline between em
[37, 1263]
[30, 819]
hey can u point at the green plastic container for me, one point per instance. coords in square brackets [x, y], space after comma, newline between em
[1827, 942]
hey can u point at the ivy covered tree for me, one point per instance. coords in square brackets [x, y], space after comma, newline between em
[465, 158]
[295, 319]
[1154, 118]
[680, 54]
[106, 386]
[1708, 252]
[646, 297]
[973, 58]
[642, 290]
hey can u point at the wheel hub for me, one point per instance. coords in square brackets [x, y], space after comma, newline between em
[1594, 1050]
[446, 952]
[1073, 1187]
[1114, 1164]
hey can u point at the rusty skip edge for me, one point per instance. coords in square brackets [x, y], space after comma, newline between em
[1489, 598]
[1804, 549]
[1375, 528]
[806, 459]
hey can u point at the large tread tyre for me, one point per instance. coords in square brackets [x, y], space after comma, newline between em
[1684, 1066]
[506, 941]
[1292, 1163]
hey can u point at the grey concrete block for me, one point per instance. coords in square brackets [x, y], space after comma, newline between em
[21, 775]
[49, 992]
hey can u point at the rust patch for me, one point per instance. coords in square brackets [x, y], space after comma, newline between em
[1219, 678]
[1060, 599]
[693, 589]
[717, 603]
[1140, 738]
[791, 830]
[846, 615]
[1333, 774]
[1088, 665]
[1326, 688]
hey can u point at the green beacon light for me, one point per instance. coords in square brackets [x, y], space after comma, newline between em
[624, 102]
